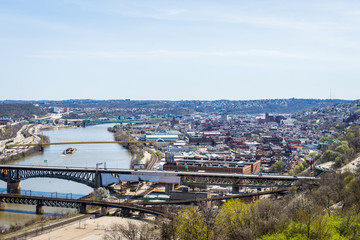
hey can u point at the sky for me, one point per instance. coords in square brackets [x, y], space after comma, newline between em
[179, 49]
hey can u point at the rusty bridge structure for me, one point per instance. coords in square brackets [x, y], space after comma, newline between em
[103, 177]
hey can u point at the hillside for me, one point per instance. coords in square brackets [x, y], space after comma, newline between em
[19, 110]
[160, 107]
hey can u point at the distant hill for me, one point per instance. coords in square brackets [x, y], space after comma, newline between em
[131, 107]
[19, 110]
[331, 115]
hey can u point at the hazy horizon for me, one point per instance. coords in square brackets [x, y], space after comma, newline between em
[123, 99]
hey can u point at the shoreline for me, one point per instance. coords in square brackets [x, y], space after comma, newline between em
[15, 154]
[145, 156]
[32, 150]
[135, 154]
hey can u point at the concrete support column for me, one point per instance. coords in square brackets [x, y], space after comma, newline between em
[14, 187]
[104, 211]
[39, 209]
[98, 181]
[168, 187]
[82, 208]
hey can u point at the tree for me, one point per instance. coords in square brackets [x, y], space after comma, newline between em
[352, 195]
[279, 166]
[167, 228]
[130, 231]
[234, 219]
[191, 224]
[101, 193]
[302, 212]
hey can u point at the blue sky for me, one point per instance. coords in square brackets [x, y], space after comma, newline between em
[237, 50]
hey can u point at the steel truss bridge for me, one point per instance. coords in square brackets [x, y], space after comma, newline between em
[13, 174]
[79, 204]
[95, 177]
[238, 180]
[42, 144]
[226, 197]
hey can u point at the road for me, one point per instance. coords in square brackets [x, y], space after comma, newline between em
[352, 166]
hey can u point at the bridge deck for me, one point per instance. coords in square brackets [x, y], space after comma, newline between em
[154, 172]
[72, 203]
[243, 195]
[72, 143]
[104, 177]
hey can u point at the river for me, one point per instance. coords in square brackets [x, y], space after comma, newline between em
[87, 155]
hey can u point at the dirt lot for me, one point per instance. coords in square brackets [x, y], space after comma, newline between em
[88, 229]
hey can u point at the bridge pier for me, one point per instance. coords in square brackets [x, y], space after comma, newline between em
[168, 187]
[104, 211]
[82, 208]
[98, 181]
[39, 209]
[14, 187]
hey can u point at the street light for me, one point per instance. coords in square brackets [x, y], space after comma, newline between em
[97, 165]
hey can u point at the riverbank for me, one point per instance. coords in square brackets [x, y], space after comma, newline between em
[140, 154]
[87, 155]
[137, 150]
[28, 134]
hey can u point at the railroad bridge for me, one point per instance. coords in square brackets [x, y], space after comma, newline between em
[94, 177]
[79, 204]
[14, 174]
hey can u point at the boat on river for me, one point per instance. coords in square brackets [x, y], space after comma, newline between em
[69, 151]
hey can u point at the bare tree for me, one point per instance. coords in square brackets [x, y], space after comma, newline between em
[130, 231]
[166, 228]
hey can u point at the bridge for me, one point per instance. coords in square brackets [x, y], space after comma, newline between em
[42, 144]
[79, 204]
[94, 177]
[226, 197]
[88, 120]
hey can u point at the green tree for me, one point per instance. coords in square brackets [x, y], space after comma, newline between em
[234, 220]
[279, 166]
[191, 224]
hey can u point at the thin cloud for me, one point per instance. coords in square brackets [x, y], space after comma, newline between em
[169, 53]
[84, 54]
